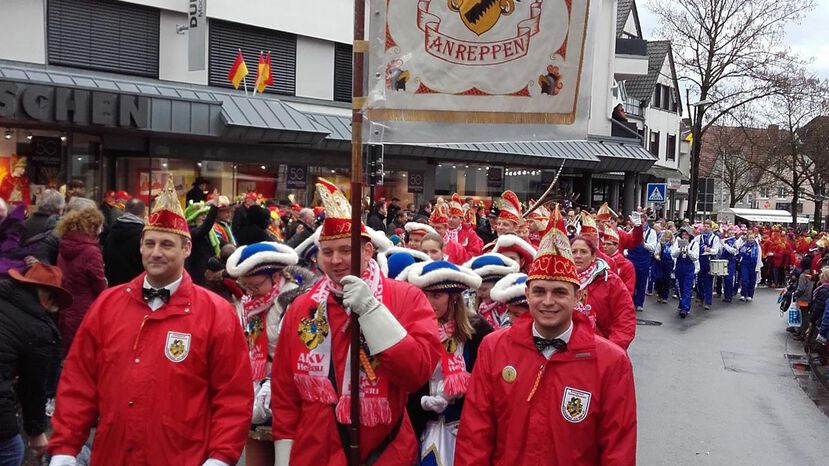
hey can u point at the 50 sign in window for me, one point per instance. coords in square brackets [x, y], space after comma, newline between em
[297, 177]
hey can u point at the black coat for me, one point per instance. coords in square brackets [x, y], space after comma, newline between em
[38, 238]
[196, 264]
[299, 236]
[122, 258]
[255, 229]
[29, 340]
[418, 415]
[195, 195]
[377, 221]
[486, 233]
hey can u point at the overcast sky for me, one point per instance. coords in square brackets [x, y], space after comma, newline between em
[809, 39]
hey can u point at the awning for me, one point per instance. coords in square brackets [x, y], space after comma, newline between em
[170, 108]
[622, 154]
[665, 173]
[764, 215]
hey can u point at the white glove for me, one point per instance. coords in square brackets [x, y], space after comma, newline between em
[214, 462]
[636, 219]
[379, 326]
[63, 460]
[820, 339]
[436, 404]
[283, 452]
[262, 403]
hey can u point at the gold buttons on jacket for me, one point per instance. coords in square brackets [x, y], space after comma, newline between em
[509, 374]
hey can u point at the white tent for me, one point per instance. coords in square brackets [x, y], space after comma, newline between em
[758, 216]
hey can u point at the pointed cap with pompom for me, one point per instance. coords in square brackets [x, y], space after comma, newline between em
[167, 214]
[554, 261]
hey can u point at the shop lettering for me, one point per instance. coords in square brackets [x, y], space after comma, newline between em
[195, 10]
[49, 104]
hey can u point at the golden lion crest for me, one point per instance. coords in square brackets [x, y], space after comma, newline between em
[313, 332]
[480, 16]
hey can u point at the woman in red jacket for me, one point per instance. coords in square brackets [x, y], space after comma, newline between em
[80, 260]
[603, 296]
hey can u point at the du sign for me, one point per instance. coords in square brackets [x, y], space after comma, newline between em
[656, 192]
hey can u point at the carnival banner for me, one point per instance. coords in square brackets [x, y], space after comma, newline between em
[477, 61]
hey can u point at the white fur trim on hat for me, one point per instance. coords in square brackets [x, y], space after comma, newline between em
[415, 226]
[492, 269]
[462, 275]
[383, 257]
[280, 255]
[506, 291]
[379, 239]
[312, 240]
[510, 241]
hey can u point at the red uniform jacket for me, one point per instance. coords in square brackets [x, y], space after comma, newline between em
[151, 410]
[500, 427]
[612, 304]
[470, 241]
[625, 270]
[455, 253]
[630, 240]
[407, 366]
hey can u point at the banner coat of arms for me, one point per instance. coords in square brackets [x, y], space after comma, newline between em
[477, 61]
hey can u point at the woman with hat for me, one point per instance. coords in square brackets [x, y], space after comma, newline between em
[199, 191]
[685, 252]
[29, 340]
[491, 267]
[511, 292]
[395, 261]
[516, 249]
[435, 409]
[258, 269]
[603, 297]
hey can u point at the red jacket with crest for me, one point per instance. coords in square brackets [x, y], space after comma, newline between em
[407, 365]
[610, 299]
[502, 426]
[151, 410]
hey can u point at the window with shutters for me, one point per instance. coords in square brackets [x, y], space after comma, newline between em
[342, 72]
[103, 35]
[226, 39]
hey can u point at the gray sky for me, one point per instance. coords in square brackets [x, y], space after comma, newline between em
[810, 38]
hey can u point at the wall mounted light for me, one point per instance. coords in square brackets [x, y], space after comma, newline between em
[8, 134]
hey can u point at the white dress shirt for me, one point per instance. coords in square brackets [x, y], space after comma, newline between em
[156, 303]
[549, 351]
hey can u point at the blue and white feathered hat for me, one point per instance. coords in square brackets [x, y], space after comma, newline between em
[309, 248]
[442, 276]
[395, 260]
[492, 266]
[260, 258]
[510, 290]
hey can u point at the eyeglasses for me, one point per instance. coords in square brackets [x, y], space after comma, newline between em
[252, 288]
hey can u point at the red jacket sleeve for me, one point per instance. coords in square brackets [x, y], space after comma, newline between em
[630, 240]
[617, 425]
[475, 444]
[628, 275]
[77, 398]
[285, 398]
[475, 243]
[623, 324]
[413, 359]
[231, 389]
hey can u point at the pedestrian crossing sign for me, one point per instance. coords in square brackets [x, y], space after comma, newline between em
[656, 192]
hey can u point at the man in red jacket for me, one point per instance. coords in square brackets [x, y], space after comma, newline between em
[621, 265]
[159, 363]
[311, 392]
[459, 231]
[547, 391]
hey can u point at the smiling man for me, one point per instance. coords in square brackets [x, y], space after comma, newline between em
[159, 363]
[548, 391]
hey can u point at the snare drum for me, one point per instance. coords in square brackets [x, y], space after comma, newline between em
[719, 267]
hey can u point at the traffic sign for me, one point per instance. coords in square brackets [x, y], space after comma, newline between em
[656, 192]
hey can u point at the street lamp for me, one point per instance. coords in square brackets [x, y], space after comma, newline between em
[696, 144]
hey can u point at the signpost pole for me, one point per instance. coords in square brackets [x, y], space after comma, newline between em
[360, 46]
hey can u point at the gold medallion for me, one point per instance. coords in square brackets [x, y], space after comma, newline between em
[508, 374]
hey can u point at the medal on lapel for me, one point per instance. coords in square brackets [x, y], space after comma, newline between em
[509, 374]
[312, 332]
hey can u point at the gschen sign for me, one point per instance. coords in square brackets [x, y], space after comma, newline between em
[50, 104]
[196, 34]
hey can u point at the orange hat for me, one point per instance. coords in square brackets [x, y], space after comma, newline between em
[456, 206]
[611, 234]
[440, 213]
[337, 223]
[510, 207]
[554, 260]
[167, 214]
[605, 213]
[588, 224]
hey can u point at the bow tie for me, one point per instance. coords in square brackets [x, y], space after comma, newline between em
[543, 343]
[148, 294]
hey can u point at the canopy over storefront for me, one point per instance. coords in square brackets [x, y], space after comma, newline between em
[759, 216]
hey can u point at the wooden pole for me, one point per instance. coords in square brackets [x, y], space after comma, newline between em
[359, 48]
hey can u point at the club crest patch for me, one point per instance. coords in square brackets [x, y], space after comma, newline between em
[177, 346]
[575, 404]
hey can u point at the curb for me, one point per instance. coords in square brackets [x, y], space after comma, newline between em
[821, 372]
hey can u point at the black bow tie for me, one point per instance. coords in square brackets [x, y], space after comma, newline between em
[543, 343]
[149, 293]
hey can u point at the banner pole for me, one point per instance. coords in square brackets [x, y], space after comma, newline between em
[356, 217]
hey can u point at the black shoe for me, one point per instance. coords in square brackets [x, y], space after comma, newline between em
[682, 315]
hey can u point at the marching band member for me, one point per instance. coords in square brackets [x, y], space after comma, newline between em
[750, 254]
[511, 292]
[664, 267]
[491, 267]
[686, 254]
[435, 408]
[461, 231]
[620, 264]
[627, 240]
[602, 296]
[730, 252]
[640, 255]
[311, 372]
[548, 390]
[709, 247]
[258, 269]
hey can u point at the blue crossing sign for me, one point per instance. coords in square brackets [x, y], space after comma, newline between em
[656, 192]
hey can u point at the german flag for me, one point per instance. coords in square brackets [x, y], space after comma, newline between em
[238, 71]
[264, 78]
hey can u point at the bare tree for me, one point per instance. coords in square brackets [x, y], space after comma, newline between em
[735, 160]
[815, 139]
[726, 52]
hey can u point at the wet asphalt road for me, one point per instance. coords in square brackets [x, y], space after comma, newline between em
[717, 388]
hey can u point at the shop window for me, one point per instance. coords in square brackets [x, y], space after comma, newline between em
[342, 72]
[103, 35]
[226, 39]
